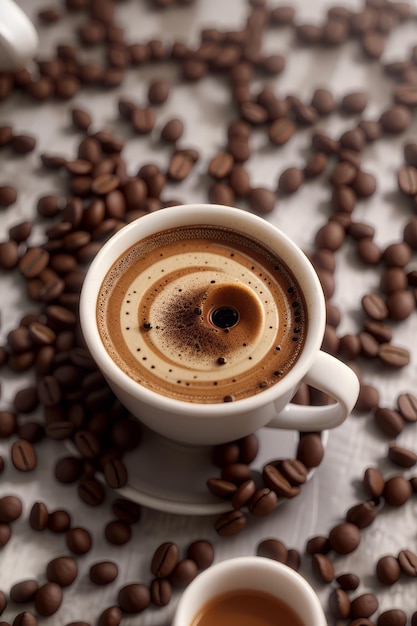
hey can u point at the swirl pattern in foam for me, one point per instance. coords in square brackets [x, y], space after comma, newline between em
[202, 314]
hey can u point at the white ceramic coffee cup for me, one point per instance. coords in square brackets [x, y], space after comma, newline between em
[18, 37]
[194, 423]
[255, 573]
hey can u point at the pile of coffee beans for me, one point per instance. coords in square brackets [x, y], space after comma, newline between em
[96, 194]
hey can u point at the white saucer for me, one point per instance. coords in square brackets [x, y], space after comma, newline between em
[171, 477]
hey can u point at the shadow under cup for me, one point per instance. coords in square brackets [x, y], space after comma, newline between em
[253, 573]
[187, 421]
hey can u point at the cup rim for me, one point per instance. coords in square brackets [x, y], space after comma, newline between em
[217, 215]
[258, 565]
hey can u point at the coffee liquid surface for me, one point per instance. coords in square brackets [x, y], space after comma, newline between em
[202, 314]
[246, 607]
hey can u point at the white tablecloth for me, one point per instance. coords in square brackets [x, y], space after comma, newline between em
[206, 111]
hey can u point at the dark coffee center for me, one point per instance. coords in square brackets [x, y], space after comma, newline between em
[224, 317]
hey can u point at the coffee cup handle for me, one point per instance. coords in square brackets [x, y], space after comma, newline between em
[330, 375]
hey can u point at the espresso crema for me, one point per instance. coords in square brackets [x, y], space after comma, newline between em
[202, 314]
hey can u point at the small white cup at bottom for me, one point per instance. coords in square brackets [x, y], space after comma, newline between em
[256, 573]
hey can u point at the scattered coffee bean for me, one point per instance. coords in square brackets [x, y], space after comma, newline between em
[103, 572]
[79, 540]
[62, 570]
[48, 599]
[397, 491]
[388, 570]
[134, 598]
[201, 552]
[23, 591]
[344, 538]
[364, 605]
[408, 563]
[348, 582]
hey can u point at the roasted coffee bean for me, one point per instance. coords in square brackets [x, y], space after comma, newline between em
[87, 444]
[262, 200]
[343, 174]
[172, 130]
[68, 470]
[9, 255]
[319, 543]
[339, 604]
[397, 491]
[23, 144]
[243, 494]
[392, 617]
[230, 523]
[8, 424]
[201, 552]
[281, 131]
[134, 598]
[323, 101]
[117, 532]
[112, 616]
[38, 517]
[115, 473]
[143, 120]
[369, 252]
[158, 92]
[179, 167]
[126, 510]
[373, 482]
[388, 570]
[364, 184]
[10, 509]
[408, 563]
[25, 619]
[164, 560]
[273, 549]
[364, 605]
[310, 450]
[401, 303]
[221, 488]
[322, 568]
[382, 332]
[393, 356]
[91, 491]
[183, 573]
[397, 254]
[48, 599]
[402, 456]
[161, 591]
[354, 102]
[362, 514]
[5, 534]
[368, 345]
[263, 502]
[79, 540]
[23, 456]
[315, 165]
[221, 165]
[8, 195]
[374, 306]
[389, 421]
[62, 570]
[276, 481]
[33, 262]
[393, 279]
[344, 538]
[23, 591]
[290, 180]
[407, 406]
[236, 473]
[103, 572]
[407, 180]
[59, 521]
[348, 582]
[396, 119]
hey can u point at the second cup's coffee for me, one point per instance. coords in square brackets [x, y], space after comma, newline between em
[202, 314]
[246, 607]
